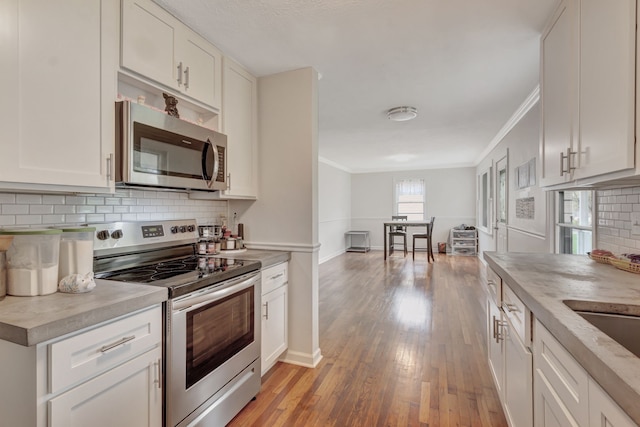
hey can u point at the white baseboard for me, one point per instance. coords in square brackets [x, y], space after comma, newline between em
[302, 359]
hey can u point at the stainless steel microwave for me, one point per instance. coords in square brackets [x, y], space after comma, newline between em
[154, 149]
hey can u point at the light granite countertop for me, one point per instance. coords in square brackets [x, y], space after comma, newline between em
[31, 320]
[544, 281]
[267, 258]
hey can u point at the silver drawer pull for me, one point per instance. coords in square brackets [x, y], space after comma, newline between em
[106, 348]
[276, 276]
[510, 307]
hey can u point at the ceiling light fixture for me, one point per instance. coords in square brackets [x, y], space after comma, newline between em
[402, 114]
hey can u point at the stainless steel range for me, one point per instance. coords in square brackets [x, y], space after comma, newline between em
[212, 320]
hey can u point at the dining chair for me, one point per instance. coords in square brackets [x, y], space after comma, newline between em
[398, 231]
[426, 235]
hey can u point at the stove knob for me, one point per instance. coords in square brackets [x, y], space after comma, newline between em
[102, 235]
[174, 229]
[191, 228]
[183, 229]
[117, 234]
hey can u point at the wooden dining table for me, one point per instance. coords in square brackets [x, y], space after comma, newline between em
[387, 227]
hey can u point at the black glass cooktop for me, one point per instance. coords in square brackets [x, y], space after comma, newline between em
[183, 275]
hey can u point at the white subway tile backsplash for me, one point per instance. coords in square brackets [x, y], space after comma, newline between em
[15, 209]
[124, 205]
[41, 209]
[615, 209]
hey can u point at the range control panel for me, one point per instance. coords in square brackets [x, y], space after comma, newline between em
[124, 234]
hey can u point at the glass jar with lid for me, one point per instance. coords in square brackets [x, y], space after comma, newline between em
[76, 251]
[32, 261]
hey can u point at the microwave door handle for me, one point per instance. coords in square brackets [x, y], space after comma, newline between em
[209, 179]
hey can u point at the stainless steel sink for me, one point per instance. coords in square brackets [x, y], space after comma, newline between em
[622, 328]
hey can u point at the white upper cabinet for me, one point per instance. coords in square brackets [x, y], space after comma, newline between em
[157, 46]
[239, 123]
[556, 96]
[59, 62]
[588, 91]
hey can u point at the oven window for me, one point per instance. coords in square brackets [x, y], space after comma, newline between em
[218, 331]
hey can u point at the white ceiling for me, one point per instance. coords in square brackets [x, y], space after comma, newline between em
[466, 65]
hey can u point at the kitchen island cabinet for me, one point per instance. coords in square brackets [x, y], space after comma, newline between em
[588, 70]
[158, 47]
[59, 62]
[547, 284]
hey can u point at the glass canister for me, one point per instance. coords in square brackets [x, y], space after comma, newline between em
[32, 261]
[76, 251]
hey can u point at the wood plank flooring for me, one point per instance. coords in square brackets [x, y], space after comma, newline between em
[403, 344]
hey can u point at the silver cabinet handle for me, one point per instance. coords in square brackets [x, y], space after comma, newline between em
[109, 167]
[186, 78]
[498, 329]
[158, 373]
[567, 156]
[276, 276]
[108, 347]
[266, 310]
[510, 307]
[179, 79]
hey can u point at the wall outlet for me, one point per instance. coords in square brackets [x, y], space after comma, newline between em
[635, 223]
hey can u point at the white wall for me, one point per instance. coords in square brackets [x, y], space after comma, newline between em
[450, 198]
[520, 144]
[334, 210]
[285, 216]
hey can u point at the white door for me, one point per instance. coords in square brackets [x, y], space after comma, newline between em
[502, 202]
[274, 326]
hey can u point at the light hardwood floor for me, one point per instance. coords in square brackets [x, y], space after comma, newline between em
[403, 344]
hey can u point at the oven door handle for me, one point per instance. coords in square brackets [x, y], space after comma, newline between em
[208, 295]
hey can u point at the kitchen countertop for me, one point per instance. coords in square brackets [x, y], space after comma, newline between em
[31, 320]
[544, 281]
[266, 258]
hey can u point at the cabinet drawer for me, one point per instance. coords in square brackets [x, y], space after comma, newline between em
[494, 285]
[562, 373]
[517, 313]
[89, 353]
[464, 234]
[274, 277]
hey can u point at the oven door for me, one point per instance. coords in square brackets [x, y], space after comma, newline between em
[213, 335]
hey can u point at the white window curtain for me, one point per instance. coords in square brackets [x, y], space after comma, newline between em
[410, 198]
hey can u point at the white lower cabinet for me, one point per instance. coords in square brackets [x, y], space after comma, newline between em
[518, 380]
[128, 395]
[564, 393]
[275, 327]
[107, 375]
[510, 358]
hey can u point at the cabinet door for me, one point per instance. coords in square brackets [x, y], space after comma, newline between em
[274, 326]
[148, 35]
[495, 345]
[607, 86]
[604, 412]
[239, 123]
[557, 93]
[128, 395]
[549, 411]
[201, 66]
[518, 380]
[59, 62]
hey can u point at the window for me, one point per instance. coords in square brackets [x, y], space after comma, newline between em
[574, 226]
[409, 199]
[484, 201]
